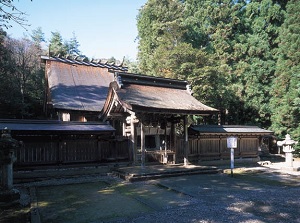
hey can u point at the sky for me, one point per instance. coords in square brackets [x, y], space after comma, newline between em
[103, 28]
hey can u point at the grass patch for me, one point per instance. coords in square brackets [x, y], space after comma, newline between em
[88, 202]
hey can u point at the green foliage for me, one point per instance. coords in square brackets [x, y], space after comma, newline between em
[263, 19]
[72, 46]
[56, 46]
[38, 36]
[62, 48]
[160, 30]
[286, 92]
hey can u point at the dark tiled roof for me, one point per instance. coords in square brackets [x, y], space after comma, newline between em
[229, 129]
[40, 127]
[86, 62]
[129, 78]
[78, 85]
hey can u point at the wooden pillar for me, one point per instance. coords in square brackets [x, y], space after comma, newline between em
[124, 126]
[133, 137]
[186, 146]
[173, 138]
[143, 155]
[157, 140]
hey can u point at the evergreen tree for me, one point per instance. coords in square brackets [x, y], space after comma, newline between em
[72, 46]
[38, 37]
[256, 68]
[57, 47]
[215, 27]
[286, 88]
[160, 31]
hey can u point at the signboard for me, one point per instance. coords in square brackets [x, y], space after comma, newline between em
[232, 142]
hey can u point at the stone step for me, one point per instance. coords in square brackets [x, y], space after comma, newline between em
[137, 174]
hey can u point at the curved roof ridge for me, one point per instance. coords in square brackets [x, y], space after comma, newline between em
[82, 60]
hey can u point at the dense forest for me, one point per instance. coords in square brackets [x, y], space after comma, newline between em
[240, 56]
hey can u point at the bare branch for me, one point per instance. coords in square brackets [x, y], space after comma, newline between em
[8, 13]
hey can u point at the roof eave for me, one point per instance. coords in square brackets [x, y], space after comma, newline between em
[138, 108]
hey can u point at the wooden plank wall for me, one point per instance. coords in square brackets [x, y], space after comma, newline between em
[37, 150]
[215, 147]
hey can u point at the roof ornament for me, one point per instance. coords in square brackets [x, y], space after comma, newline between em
[69, 57]
[85, 59]
[118, 79]
[111, 64]
[104, 61]
[189, 89]
[122, 63]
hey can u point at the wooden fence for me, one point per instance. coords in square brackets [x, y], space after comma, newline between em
[54, 149]
[37, 150]
[215, 147]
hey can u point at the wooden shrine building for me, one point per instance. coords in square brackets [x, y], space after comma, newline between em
[101, 113]
[209, 142]
[141, 106]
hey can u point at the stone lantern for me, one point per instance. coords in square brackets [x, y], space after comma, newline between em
[288, 149]
[7, 158]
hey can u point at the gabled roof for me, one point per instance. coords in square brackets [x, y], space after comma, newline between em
[78, 84]
[148, 94]
[228, 129]
[55, 127]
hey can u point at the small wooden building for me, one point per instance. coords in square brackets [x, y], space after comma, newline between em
[209, 142]
[142, 106]
[55, 142]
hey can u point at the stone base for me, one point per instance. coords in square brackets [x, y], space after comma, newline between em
[290, 168]
[9, 196]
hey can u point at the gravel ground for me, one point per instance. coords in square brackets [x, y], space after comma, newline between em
[253, 195]
[220, 198]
